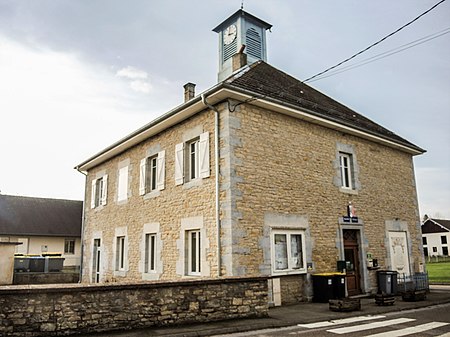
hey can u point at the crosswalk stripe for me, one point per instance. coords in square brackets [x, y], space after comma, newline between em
[339, 321]
[411, 330]
[369, 326]
[447, 334]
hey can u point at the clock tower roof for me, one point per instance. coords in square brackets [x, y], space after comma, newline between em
[247, 16]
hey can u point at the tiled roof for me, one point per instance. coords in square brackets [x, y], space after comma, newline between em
[435, 226]
[270, 83]
[40, 216]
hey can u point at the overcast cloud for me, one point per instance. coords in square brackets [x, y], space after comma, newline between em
[76, 76]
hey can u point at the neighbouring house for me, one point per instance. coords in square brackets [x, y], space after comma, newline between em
[259, 175]
[43, 226]
[435, 236]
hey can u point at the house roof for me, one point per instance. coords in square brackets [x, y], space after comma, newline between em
[242, 13]
[263, 85]
[270, 83]
[29, 216]
[435, 226]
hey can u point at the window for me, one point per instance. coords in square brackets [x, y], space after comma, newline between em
[445, 251]
[192, 159]
[193, 252]
[434, 249]
[122, 186]
[443, 240]
[345, 166]
[120, 253]
[99, 191]
[287, 252]
[150, 253]
[424, 240]
[69, 246]
[425, 251]
[152, 173]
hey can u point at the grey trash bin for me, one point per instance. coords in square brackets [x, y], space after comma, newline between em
[387, 282]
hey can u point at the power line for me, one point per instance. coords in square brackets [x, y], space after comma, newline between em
[385, 54]
[374, 44]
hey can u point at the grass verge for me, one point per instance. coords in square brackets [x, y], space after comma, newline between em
[439, 272]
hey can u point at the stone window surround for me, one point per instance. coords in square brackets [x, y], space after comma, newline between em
[187, 224]
[285, 222]
[288, 233]
[152, 228]
[187, 137]
[350, 151]
[99, 175]
[120, 232]
[152, 151]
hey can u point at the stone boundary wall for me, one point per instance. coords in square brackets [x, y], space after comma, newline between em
[54, 310]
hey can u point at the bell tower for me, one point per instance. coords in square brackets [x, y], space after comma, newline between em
[239, 29]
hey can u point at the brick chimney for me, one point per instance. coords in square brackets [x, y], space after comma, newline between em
[239, 59]
[189, 91]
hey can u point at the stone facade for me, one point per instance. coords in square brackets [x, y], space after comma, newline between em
[277, 174]
[76, 309]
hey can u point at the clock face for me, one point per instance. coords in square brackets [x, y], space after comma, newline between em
[229, 34]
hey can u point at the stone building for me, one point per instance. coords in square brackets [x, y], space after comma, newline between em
[435, 236]
[259, 175]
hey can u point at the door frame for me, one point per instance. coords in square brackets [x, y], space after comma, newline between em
[355, 248]
[362, 249]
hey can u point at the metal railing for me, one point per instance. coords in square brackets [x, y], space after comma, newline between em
[411, 283]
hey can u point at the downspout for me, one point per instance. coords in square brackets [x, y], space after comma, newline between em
[216, 160]
[82, 227]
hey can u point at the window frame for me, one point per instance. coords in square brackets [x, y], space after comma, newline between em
[192, 159]
[120, 253]
[191, 249]
[99, 191]
[151, 174]
[150, 254]
[346, 170]
[69, 247]
[288, 233]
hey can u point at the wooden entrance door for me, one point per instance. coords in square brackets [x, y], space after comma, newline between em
[351, 255]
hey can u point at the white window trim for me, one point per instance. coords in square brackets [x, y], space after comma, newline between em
[120, 232]
[346, 170]
[151, 228]
[99, 199]
[189, 224]
[183, 159]
[288, 233]
[198, 252]
[145, 181]
[74, 244]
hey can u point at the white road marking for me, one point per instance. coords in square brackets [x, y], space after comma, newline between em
[339, 321]
[369, 326]
[411, 330]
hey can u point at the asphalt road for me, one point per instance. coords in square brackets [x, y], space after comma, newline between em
[430, 321]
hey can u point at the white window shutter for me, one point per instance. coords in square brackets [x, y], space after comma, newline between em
[161, 168]
[179, 163]
[142, 176]
[204, 155]
[93, 193]
[105, 189]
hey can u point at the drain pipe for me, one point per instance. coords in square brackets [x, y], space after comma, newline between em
[82, 227]
[216, 159]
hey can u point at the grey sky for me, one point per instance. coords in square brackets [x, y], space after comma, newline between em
[79, 75]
